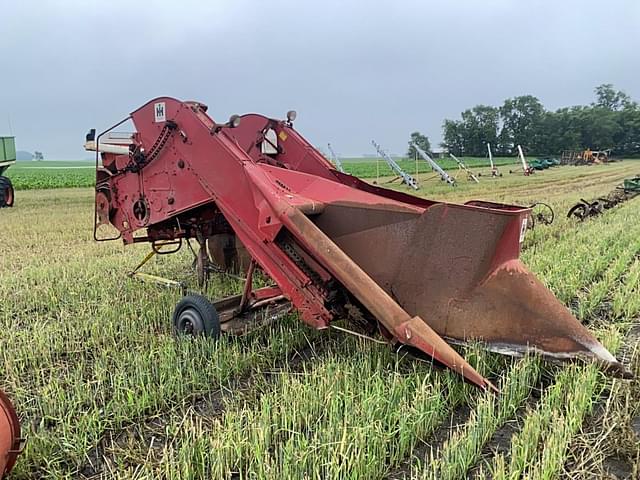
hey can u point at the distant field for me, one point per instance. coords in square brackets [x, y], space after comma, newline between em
[371, 168]
[69, 174]
[51, 174]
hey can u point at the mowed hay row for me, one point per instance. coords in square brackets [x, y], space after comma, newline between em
[92, 354]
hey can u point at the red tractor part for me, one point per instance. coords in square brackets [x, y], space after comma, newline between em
[254, 193]
[11, 443]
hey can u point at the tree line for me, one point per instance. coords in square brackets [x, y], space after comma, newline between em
[611, 122]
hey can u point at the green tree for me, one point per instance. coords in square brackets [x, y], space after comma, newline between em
[599, 127]
[453, 137]
[480, 126]
[612, 121]
[609, 98]
[521, 121]
[421, 140]
[627, 141]
[557, 131]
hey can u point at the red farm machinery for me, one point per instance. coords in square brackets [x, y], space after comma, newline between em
[255, 194]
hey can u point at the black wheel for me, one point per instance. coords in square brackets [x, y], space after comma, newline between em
[195, 315]
[579, 211]
[6, 192]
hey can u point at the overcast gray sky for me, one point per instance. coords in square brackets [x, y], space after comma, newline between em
[353, 70]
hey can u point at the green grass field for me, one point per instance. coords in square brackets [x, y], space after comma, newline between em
[105, 390]
[372, 168]
[52, 174]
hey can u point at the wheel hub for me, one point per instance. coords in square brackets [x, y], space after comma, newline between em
[191, 322]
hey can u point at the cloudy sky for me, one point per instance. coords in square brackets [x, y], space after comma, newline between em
[353, 70]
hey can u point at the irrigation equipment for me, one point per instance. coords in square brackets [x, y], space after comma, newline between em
[330, 245]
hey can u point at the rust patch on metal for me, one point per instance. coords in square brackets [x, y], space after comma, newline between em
[449, 267]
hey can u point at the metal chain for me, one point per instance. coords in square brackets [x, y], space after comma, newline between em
[160, 142]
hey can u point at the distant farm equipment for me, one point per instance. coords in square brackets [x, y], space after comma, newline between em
[7, 158]
[395, 167]
[542, 163]
[584, 209]
[335, 159]
[585, 157]
[530, 166]
[541, 214]
[463, 167]
[494, 173]
[526, 169]
[444, 176]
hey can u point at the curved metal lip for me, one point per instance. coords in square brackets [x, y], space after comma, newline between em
[603, 358]
[493, 207]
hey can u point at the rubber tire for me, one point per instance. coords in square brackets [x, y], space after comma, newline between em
[195, 315]
[6, 188]
[579, 211]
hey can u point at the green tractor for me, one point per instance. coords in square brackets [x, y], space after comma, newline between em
[538, 164]
[632, 185]
[542, 163]
[7, 158]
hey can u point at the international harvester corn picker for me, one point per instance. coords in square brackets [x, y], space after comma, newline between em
[255, 194]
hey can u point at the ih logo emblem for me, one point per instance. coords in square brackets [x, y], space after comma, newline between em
[160, 112]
